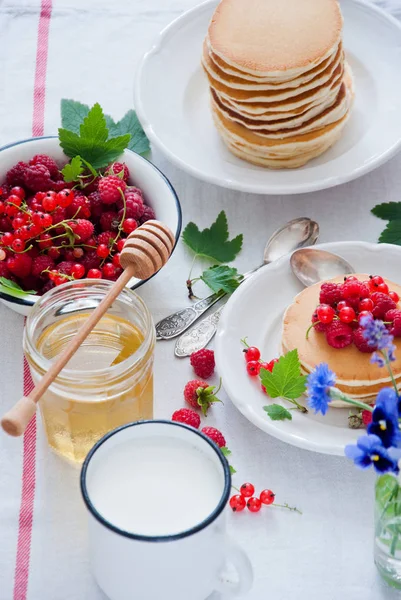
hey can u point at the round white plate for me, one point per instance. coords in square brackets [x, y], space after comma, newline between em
[172, 102]
[255, 311]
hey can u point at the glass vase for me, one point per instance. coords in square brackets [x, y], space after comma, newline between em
[388, 529]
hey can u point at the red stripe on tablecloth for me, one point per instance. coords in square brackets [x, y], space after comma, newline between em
[29, 453]
[41, 65]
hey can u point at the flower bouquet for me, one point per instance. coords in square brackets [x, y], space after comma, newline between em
[380, 447]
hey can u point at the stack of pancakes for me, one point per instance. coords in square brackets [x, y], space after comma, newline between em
[281, 90]
[356, 375]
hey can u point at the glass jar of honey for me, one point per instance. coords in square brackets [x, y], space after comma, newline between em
[108, 382]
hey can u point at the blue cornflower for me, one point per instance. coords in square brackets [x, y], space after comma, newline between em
[377, 335]
[319, 381]
[384, 422]
[368, 451]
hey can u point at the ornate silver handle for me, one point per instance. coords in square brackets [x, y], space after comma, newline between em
[178, 322]
[198, 336]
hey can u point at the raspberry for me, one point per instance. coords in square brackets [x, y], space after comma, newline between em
[395, 330]
[90, 260]
[60, 185]
[107, 238]
[215, 435]
[37, 178]
[366, 417]
[148, 215]
[354, 289]
[40, 264]
[79, 208]
[203, 363]
[200, 395]
[338, 335]
[361, 342]
[330, 293]
[58, 215]
[19, 265]
[96, 205]
[116, 168]
[187, 416]
[133, 210]
[82, 229]
[4, 270]
[320, 327]
[131, 195]
[109, 220]
[16, 175]
[383, 304]
[110, 189]
[49, 285]
[65, 267]
[43, 159]
[392, 314]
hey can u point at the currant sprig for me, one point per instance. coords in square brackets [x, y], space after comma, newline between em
[246, 498]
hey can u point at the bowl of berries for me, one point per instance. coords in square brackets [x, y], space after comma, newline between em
[62, 219]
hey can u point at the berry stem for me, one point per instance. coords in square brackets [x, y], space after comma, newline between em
[243, 341]
[285, 505]
[236, 489]
[297, 406]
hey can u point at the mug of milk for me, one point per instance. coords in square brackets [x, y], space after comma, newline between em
[156, 492]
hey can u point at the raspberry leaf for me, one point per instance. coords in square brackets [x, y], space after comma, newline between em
[213, 242]
[277, 412]
[138, 143]
[72, 114]
[389, 211]
[73, 170]
[392, 233]
[221, 278]
[286, 380]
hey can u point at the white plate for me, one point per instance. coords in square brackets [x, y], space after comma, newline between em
[172, 102]
[255, 311]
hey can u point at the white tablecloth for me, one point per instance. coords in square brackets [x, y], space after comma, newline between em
[326, 553]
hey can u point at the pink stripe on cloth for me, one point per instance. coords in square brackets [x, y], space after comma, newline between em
[39, 94]
[21, 577]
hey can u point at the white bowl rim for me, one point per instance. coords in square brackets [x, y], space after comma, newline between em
[27, 301]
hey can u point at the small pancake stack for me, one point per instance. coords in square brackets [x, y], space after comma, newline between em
[281, 90]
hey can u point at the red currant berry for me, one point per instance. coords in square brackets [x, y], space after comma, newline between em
[14, 200]
[25, 233]
[394, 296]
[267, 497]
[78, 271]
[53, 274]
[11, 210]
[2, 208]
[237, 503]
[39, 196]
[102, 250]
[18, 191]
[18, 245]
[342, 304]
[325, 313]
[65, 197]
[383, 288]
[374, 282]
[364, 313]
[54, 252]
[351, 278]
[45, 240]
[120, 245]
[7, 238]
[78, 252]
[18, 222]
[108, 270]
[254, 504]
[366, 304]
[129, 225]
[253, 368]
[251, 353]
[270, 365]
[49, 202]
[116, 260]
[247, 490]
[347, 314]
[60, 279]
[94, 274]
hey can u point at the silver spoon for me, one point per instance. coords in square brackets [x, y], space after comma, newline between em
[295, 234]
[311, 265]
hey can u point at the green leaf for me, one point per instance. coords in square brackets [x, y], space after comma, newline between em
[94, 125]
[389, 211]
[232, 470]
[392, 233]
[213, 242]
[73, 169]
[130, 124]
[221, 278]
[72, 114]
[277, 412]
[12, 288]
[225, 451]
[286, 380]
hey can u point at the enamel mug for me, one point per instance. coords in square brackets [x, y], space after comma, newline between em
[181, 565]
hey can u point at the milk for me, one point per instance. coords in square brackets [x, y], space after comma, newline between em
[155, 486]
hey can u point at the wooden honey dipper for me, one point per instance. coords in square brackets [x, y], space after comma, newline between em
[146, 250]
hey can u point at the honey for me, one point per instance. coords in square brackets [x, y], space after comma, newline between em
[107, 383]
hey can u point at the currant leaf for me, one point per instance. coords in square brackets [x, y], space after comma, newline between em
[389, 211]
[277, 412]
[221, 278]
[225, 451]
[392, 233]
[138, 143]
[232, 470]
[73, 169]
[286, 380]
[72, 114]
[213, 242]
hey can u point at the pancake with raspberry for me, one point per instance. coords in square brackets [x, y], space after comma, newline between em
[350, 359]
